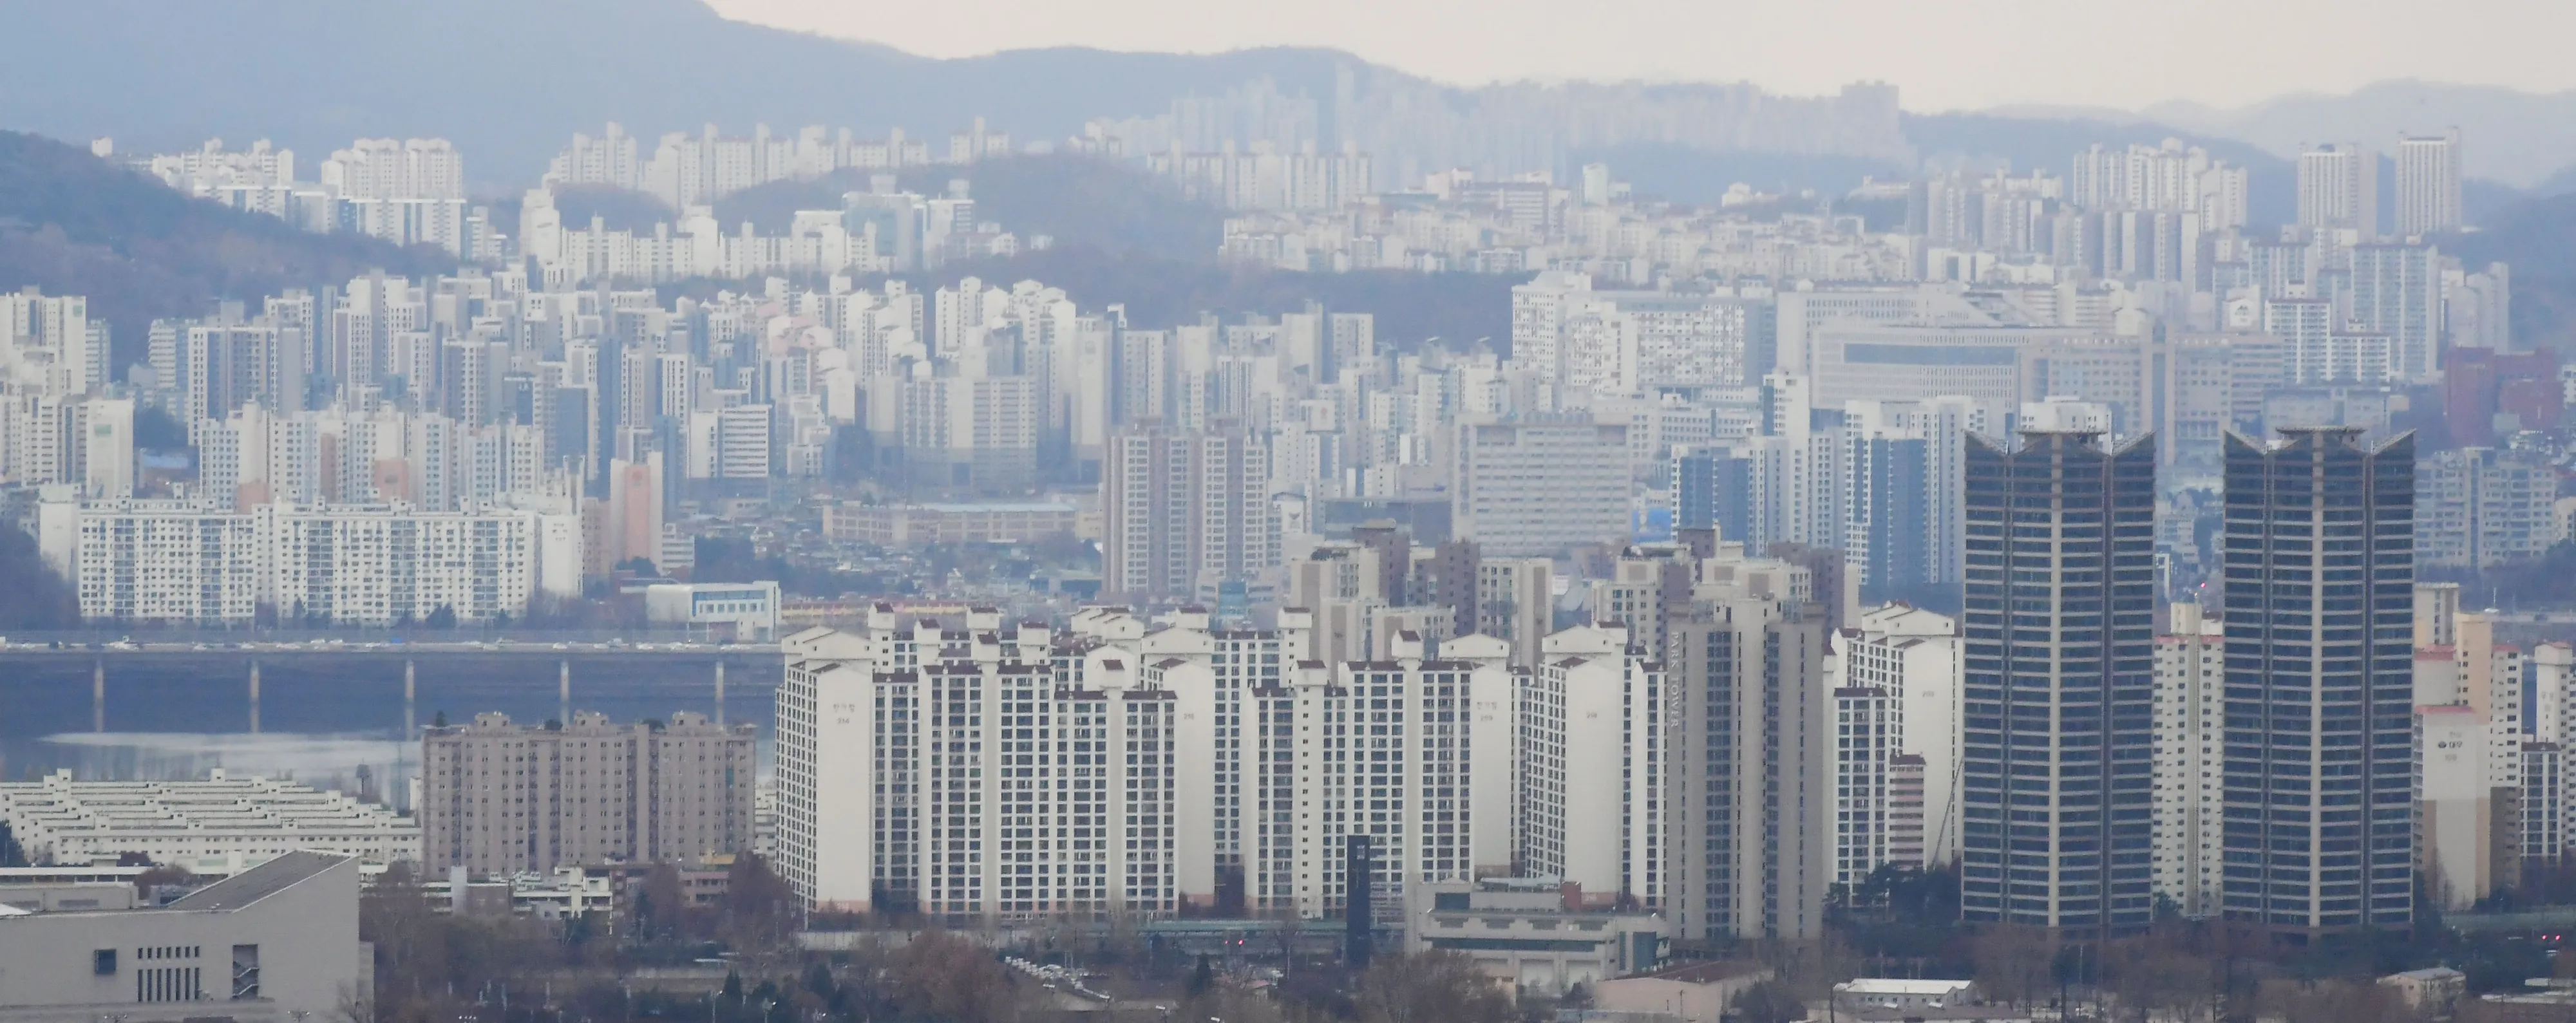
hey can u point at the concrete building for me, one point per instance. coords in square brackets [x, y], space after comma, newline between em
[502, 798]
[917, 525]
[1248, 775]
[1516, 603]
[1751, 755]
[1185, 512]
[1532, 933]
[220, 825]
[2190, 780]
[2320, 597]
[1591, 782]
[745, 611]
[275, 943]
[1866, 727]
[2339, 188]
[2060, 674]
[1911, 657]
[2428, 183]
[2483, 507]
[368, 565]
[2455, 824]
[1696, 993]
[1532, 489]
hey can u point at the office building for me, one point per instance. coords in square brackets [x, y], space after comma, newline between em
[2056, 775]
[1532, 489]
[2320, 680]
[2428, 183]
[273, 944]
[503, 798]
[222, 824]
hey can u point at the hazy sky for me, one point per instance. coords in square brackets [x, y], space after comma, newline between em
[1944, 55]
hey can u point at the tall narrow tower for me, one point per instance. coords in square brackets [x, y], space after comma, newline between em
[2320, 741]
[2056, 763]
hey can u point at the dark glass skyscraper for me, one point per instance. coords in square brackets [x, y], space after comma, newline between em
[2056, 765]
[2320, 743]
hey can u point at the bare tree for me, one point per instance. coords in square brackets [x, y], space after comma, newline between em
[945, 977]
[2012, 961]
[1431, 987]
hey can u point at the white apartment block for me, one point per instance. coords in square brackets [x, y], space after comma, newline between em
[1592, 759]
[1005, 775]
[2428, 183]
[378, 565]
[48, 344]
[219, 825]
[2190, 786]
[157, 561]
[1896, 673]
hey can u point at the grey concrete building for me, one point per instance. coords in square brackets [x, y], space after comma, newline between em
[274, 943]
[500, 797]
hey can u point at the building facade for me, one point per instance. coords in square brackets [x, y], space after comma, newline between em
[2056, 770]
[2320, 579]
[504, 798]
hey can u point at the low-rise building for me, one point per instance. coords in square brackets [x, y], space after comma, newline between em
[1533, 933]
[1697, 993]
[2433, 989]
[749, 611]
[217, 826]
[920, 525]
[274, 943]
[1903, 993]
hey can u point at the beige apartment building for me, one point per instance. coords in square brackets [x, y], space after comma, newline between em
[501, 797]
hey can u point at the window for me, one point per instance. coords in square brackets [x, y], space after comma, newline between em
[245, 971]
[103, 962]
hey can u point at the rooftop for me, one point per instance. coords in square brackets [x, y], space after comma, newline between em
[258, 882]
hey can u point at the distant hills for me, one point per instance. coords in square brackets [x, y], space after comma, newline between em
[2521, 139]
[510, 80]
[72, 224]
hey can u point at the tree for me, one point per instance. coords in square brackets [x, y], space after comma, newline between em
[1438, 986]
[1768, 1001]
[148, 880]
[32, 596]
[2013, 961]
[758, 905]
[1202, 977]
[443, 617]
[661, 909]
[941, 976]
